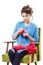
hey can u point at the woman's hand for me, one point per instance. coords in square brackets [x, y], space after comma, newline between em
[20, 31]
[25, 34]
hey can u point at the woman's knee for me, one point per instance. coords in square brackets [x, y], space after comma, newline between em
[11, 51]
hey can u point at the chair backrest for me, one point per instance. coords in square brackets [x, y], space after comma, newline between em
[39, 34]
[39, 30]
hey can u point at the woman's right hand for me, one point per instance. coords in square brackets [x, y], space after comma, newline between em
[20, 31]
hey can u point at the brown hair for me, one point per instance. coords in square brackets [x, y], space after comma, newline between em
[27, 9]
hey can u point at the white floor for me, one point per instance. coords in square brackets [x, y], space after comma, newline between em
[38, 63]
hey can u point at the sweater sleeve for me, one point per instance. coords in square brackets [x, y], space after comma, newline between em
[15, 29]
[35, 36]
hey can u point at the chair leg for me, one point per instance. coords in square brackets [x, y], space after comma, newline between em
[28, 64]
[35, 63]
[7, 63]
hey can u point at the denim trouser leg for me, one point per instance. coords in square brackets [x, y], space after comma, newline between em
[11, 54]
[15, 56]
[18, 55]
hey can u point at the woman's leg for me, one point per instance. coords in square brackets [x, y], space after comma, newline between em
[18, 55]
[11, 54]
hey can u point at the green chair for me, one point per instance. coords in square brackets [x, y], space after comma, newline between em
[27, 58]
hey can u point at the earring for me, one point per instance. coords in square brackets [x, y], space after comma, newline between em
[31, 18]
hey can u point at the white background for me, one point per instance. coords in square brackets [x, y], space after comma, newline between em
[10, 14]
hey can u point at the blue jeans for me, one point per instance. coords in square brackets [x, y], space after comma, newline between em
[15, 56]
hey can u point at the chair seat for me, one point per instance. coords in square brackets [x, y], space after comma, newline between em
[25, 59]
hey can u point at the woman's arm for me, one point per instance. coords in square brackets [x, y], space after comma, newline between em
[30, 38]
[15, 35]
[35, 36]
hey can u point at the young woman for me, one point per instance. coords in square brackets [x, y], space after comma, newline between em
[30, 35]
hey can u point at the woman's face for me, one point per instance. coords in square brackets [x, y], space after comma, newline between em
[26, 17]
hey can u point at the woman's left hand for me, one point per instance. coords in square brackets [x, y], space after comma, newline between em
[25, 34]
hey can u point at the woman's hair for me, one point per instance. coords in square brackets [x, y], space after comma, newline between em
[27, 9]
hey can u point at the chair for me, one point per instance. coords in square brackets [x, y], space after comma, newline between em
[27, 58]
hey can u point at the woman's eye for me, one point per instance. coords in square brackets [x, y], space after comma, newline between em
[26, 15]
[23, 16]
